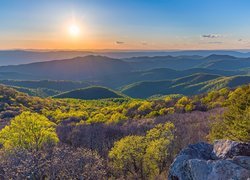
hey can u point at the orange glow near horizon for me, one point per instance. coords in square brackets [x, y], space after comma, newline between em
[74, 40]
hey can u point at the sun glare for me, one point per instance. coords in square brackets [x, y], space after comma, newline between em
[74, 30]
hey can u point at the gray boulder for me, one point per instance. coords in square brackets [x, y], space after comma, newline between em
[223, 161]
[228, 149]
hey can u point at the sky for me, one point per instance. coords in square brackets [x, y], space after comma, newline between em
[125, 24]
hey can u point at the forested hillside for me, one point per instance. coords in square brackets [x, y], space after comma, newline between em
[190, 85]
[92, 92]
[95, 67]
[78, 68]
[134, 77]
[117, 138]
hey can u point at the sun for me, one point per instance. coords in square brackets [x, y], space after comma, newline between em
[74, 30]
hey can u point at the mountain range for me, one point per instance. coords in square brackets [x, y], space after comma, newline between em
[15, 57]
[138, 77]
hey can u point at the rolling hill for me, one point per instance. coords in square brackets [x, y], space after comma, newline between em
[190, 85]
[222, 62]
[231, 64]
[114, 73]
[15, 57]
[39, 92]
[79, 68]
[94, 92]
[48, 84]
[159, 74]
[177, 62]
[137, 77]
[103, 69]
[44, 88]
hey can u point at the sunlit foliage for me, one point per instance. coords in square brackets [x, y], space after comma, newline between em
[29, 131]
[235, 123]
[142, 156]
[133, 133]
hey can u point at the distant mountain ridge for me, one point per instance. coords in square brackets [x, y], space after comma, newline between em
[137, 77]
[222, 62]
[48, 84]
[14, 57]
[79, 68]
[95, 68]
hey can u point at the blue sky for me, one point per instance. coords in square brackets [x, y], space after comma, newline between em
[125, 24]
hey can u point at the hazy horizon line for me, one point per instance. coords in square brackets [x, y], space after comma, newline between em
[122, 50]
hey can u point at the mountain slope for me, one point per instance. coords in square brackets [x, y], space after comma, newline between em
[48, 84]
[227, 64]
[159, 74]
[223, 62]
[40, 92]
[114, 73]
[79, 68]
[145, 88]
[94, 92]
[190, 85]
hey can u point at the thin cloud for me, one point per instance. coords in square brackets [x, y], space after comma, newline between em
[215, 42]
[144, 43]
[212, 42]
[119, 42]
[211, 36]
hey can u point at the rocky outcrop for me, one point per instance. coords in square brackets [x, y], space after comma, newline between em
[222, 161]
[228, 149]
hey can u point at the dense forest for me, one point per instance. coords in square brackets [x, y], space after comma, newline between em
[112, 138]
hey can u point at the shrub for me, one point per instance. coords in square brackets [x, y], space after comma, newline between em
[29, 131]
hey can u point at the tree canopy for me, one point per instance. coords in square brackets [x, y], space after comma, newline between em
[29, 131]
[235, 124]
[142, 156]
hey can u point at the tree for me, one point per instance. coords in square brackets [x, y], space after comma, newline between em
[235, 123]
[185, 104]
[98, 118]
[29, 131]
[142, 157]
[158, 140]
[127, 156]
[116, 118]
[62, 162]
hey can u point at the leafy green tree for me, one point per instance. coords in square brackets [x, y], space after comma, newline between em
[142, 157]
[235, 123]
[116, 117]
[185, 104]
[29, 131]
[216, 98]
[127, 156]
[158, 140]
[98, 118]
